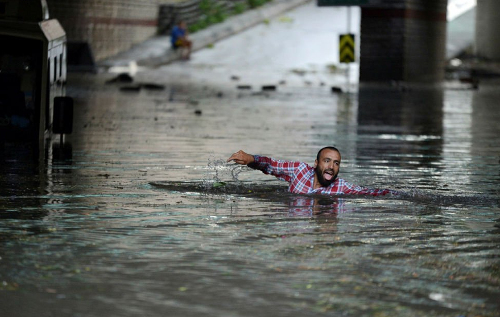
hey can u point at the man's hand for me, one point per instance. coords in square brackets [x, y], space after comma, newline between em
[241, 157]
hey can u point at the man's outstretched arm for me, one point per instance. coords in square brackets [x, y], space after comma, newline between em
[283, 170]
[348, 188]
[242, 158]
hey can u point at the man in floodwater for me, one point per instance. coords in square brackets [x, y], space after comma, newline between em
[305, 179]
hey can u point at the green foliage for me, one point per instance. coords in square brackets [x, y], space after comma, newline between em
[213, 11]
[256, 3]
[219, 13]
[239, 8]
[199, 25]
[205, 6]
[332, 68]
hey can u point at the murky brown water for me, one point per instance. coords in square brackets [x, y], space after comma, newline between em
[126, 221]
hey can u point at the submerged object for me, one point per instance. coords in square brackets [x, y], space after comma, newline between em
[248, 189]
[121, 78]
[151, 86]
[134, 88]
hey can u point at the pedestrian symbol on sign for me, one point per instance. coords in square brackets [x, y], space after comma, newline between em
[346, 48]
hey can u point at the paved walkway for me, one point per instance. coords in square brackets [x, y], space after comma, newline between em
[157, 51]
[292, 50]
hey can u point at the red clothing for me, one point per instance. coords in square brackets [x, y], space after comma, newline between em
[300, 176]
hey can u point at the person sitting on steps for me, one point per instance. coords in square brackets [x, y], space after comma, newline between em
[179, 39]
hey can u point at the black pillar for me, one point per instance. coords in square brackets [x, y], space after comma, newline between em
[403, 41]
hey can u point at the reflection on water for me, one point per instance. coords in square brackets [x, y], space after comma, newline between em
[137, 214]
[296, 205]
[408, 136]
[413, 129]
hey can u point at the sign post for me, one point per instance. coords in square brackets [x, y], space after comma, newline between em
[347, 51]
[346, 41]
[346, 48]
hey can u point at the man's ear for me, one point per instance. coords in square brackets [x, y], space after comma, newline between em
[315, 163]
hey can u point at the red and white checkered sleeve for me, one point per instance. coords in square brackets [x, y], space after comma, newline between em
[347, 188]
[281, 169]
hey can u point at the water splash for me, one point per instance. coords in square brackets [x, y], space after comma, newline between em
[220, 173]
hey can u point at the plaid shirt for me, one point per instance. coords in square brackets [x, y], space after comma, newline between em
[300, 176]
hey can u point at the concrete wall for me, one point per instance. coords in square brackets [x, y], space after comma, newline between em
[109, 26]
[403, 40]
[488, 29]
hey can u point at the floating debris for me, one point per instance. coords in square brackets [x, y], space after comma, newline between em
[244, 87]
[151, 86]
[336, 89]
[121, 78]
[218, 184]
[299, 72]
[269, 88]
[332, 68]
[285, 19]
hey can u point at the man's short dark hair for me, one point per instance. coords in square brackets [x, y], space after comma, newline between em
[325, 148]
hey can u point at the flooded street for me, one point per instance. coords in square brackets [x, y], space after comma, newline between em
[138, 214]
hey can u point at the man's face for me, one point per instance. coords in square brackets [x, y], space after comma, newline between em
[328, 166]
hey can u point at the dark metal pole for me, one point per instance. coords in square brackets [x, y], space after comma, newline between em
[348, 64]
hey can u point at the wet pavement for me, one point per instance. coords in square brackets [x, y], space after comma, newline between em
[138, 213]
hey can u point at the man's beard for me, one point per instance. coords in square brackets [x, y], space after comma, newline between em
[322, 180]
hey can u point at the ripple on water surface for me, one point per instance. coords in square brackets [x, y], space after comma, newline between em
[135, 222]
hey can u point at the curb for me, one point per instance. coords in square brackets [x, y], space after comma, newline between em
[156, 51]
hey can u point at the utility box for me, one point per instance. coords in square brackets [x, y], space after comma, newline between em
[32, 70]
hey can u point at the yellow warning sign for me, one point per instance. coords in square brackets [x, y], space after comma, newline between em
[346, 48]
